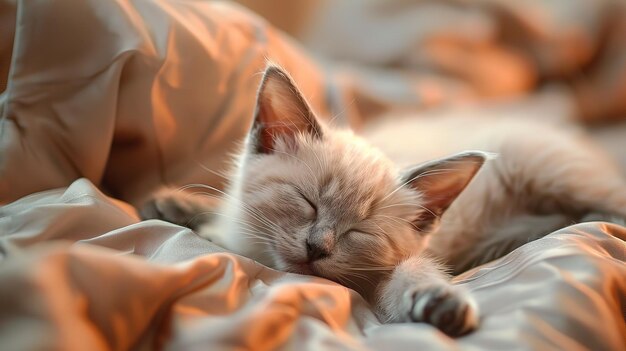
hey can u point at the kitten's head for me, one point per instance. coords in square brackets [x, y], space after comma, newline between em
[325, 202]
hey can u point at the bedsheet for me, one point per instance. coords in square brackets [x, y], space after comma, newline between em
[79, 271]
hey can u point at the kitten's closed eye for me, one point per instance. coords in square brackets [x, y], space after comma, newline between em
[311, 210]
[357, 233]
[364, 239]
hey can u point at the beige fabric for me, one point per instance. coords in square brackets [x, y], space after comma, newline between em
[492, 48]
[132, 94]
[114, 284]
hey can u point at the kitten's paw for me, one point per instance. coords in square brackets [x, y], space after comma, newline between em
[167, 206]
[177, 207]
[451, 311]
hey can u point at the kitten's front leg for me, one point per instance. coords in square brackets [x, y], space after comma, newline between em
[419, 291]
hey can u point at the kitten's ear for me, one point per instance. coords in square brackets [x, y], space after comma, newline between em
[440, 182]
[281, 113]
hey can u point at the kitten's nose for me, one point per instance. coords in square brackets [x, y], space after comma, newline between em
[315, 252]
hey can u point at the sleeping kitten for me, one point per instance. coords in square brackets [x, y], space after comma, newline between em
[309, 199]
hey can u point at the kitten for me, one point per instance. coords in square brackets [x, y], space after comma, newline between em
[310, 199]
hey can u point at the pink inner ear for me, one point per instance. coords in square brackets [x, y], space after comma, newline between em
[269, 135]
[282, 113]
[440, 193]
[441, 182]
[437, 196]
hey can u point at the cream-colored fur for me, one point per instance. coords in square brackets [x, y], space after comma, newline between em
[541, 169]
[310, 199]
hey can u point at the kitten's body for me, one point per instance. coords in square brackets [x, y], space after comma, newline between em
[309, 199]
[544, 177]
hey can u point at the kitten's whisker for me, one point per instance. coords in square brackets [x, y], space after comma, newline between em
[394, 218]
[312, 174]
[293, 156]
[336, 116]
[244, 206]
[265, 240]
[237, 220]
[257, 239]
[404, 219]
[263, 220]
[250, 230]
[382, 231]
[425, 174]
[363, 277]
[373, 268]
[321, 165]
[341, 277]
[217, 173]
[399, 205]
[258, 215]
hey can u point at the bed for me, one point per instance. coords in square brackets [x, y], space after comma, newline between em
[106, 101]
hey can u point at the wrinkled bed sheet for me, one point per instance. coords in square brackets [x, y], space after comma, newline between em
[129, 96]
[112, 282]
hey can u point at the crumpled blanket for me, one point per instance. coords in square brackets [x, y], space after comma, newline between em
[481, 49]
[132, 95]
[80, 272]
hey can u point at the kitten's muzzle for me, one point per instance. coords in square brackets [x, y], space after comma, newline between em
[320, 243]
[315, 252]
